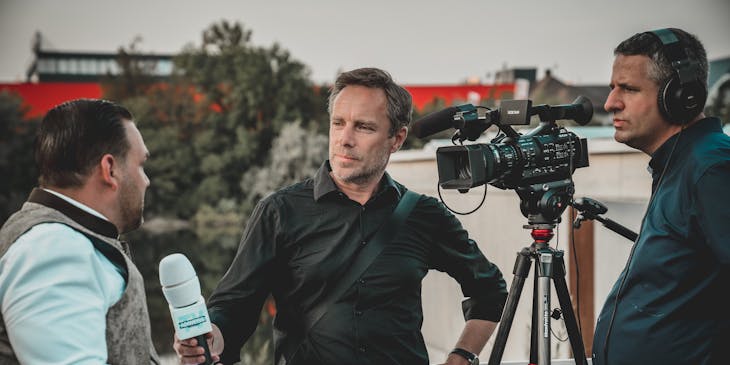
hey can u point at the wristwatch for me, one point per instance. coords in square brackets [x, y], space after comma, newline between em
[471, 357]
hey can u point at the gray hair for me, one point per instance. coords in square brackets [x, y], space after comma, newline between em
[660, 69]
[399, 102]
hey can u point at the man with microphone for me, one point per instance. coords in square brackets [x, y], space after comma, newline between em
[69, 292]
[302, 243]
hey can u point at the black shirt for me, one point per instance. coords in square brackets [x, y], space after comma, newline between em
[301, 238]
[671, 308]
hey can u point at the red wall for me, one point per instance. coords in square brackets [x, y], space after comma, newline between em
[41, 97]
[424, 94]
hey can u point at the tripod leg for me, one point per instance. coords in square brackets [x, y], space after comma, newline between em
[535, 323]
[561, 288]
[521, 270]
[544, 275]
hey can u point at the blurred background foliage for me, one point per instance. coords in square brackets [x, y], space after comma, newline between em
[234, 123]
[18, 173]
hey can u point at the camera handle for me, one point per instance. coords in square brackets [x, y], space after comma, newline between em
[549, 266]
[591, 209]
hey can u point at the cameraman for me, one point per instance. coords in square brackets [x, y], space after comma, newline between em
[665, 307]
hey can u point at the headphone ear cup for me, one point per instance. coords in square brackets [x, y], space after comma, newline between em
[680, 104]
[665, 100]
[692, 99]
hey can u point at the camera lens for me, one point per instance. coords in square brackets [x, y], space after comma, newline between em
[463, 168]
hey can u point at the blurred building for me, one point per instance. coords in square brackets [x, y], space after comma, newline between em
[57, 76]
[81, 67]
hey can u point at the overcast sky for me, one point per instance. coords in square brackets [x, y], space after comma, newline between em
[419, 42]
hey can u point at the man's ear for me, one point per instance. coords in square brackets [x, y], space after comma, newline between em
[400, 138]
[109, 171]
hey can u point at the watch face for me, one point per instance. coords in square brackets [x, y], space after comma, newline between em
[475, 361]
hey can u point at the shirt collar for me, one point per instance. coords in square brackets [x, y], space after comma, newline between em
[76, 211]
[77, 203]
[683, 139]
[324, 185]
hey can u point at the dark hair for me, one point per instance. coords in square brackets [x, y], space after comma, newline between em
[661, 68]
[73, 137]
[399, 102]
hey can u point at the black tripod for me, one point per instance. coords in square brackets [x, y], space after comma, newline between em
[542, 204]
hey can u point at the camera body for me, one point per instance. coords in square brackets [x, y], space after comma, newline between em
[538, 165]
[550, 153]
[546, 154]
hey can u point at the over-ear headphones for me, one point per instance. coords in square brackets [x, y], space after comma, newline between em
[683, 96]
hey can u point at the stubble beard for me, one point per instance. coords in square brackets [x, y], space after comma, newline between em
[628, 139]
[132, 206]
[365, 175]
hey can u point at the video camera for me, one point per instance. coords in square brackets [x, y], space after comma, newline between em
[546, 154]
[538, 165]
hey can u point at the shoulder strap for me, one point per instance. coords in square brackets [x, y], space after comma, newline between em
[362, 261]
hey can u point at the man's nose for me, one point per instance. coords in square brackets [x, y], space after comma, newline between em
[613, 103]
[347, 136]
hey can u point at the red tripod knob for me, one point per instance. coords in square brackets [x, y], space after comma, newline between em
[542, 235]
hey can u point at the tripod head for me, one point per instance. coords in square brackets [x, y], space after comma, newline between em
[543, 204]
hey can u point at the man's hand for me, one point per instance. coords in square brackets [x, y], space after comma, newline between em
[189, 352]
[473, 338]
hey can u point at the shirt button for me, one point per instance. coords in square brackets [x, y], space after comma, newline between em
[358, 313]
[364, 243]
[362, 349]
[361, 281]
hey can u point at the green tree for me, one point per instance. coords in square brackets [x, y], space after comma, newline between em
[256, 91]
[17, 164]
[216, 118]
[136, 74]
[296, 154]
[209, 127]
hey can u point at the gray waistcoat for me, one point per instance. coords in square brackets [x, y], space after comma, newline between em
[128, 336]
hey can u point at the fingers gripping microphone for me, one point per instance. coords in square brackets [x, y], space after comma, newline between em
[181, 288]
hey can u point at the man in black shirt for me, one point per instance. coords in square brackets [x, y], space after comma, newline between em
[666, 305]
[301, 239]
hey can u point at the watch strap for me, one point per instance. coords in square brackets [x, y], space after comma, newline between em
[469, 356]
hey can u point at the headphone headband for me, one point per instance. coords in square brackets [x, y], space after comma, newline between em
[683, 95]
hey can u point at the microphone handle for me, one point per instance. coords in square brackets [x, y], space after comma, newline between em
[203, 342]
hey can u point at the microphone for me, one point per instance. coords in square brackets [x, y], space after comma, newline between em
[435, 122]
[581, 111]
[181, 288]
